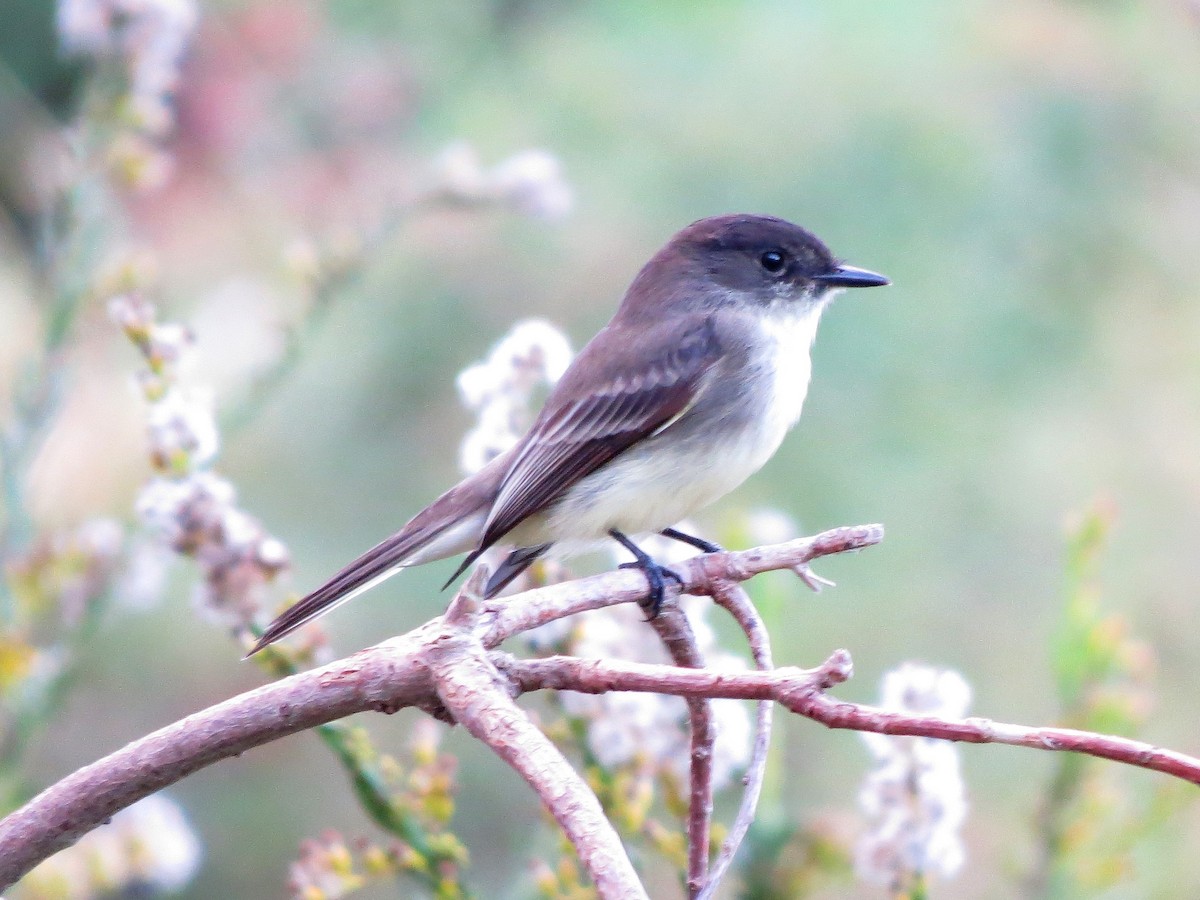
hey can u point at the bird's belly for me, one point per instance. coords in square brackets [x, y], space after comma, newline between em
[656, 484]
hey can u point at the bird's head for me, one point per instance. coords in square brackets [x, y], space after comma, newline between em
[748, 260]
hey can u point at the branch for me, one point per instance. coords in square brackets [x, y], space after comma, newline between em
[733, 598]
[503, 617]
[384, 678]
[474, 693]
[802, 691]
[676, 634]
[416, 670]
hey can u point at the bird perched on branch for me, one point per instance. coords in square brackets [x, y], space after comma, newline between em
[687, 392]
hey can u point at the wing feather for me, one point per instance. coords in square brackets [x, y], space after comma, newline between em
[571, 441]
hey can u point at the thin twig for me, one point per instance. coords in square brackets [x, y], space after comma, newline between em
[801, 692]
[676, 634]
[733, 598]
[502, 618]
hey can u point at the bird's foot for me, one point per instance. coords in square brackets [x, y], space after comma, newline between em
[656, 575]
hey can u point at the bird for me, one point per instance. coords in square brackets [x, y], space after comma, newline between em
[687, 391]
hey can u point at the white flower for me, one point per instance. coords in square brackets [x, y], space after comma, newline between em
[100, 538]
[531, 181]
[536, 348]
[194, 511]
[182, 424]
[170, 340]
[196, 515]
[144, 578]
[500, 389]
[131, 312]
[914, 797]
[182, 511]
[149, 37]
[458, 172]
[624, 726]
[85, 26]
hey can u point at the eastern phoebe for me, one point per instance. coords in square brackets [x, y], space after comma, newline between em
[681, 397]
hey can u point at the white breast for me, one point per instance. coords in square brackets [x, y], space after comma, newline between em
[788, 341]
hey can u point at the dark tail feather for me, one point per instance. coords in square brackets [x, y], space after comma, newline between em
[444, 528]
[357, 576]
[464, 565]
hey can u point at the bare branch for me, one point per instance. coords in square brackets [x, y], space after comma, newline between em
[676, 634]
[734, 599]
[384, 678]
[503, 617]
[443, 666]
[474, 693]
[801, 692]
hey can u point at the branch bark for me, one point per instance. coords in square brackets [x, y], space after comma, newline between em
[734, 600]
[676, 634]
[383, 678]
[801, 691]
[479, 699]
[443, 666]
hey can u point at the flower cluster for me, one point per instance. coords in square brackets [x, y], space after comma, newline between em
[57, 588]
[645, 729]
[324, 870]
[417, 807]
[651, 730]
[145, 850]
[914, 797]
[530, 182]
[500, 390]
[63, 574]
[147, 39]
[188, 507]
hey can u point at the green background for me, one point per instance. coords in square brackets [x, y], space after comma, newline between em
[1027, 173]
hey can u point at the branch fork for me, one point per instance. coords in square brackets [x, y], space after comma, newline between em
[451, 667]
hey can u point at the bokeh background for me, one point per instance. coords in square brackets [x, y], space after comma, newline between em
[1027, 173]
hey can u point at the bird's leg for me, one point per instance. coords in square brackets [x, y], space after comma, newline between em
[699, 543]
[656, 575]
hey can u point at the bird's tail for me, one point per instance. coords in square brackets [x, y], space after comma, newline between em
[450, 525]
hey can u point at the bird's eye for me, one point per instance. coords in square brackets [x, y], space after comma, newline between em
[772, 261]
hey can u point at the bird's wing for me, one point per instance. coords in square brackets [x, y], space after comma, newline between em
[586, 425]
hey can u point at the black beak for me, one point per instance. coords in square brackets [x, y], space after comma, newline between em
[851, 277]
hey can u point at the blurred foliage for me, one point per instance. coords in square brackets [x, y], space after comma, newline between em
[786, 860]
[412, 799]
[1091, 822]
[1028, 174]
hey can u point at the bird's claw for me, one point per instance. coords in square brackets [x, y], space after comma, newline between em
[656, 577]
